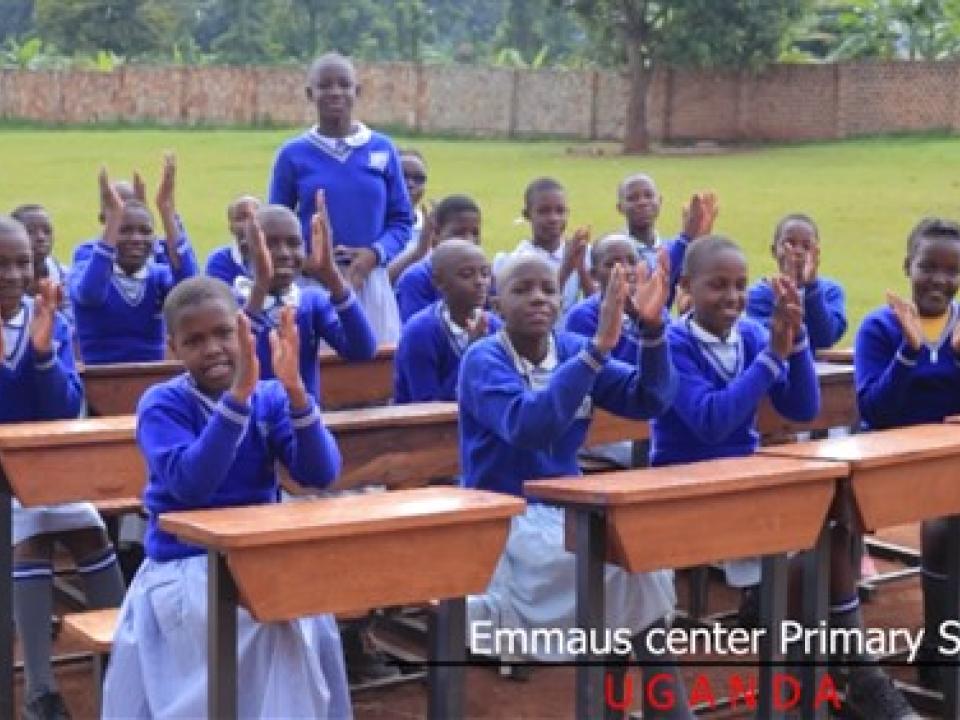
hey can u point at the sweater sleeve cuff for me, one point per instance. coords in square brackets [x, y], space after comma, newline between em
[907, 356]
[592, 357]
[305, 417]
[800, 345]
[348, 301]
[772, 363]
[653, 338]
[381, 254]
[233, 411]
[45, 361]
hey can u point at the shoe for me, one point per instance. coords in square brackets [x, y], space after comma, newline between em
[48, 706]
[871, 695]
[365, 664]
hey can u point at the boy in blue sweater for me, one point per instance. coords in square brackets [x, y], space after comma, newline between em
[211, 438]
[796, 248]
[329, 314]
[117, 291]
[526, 395]
[427, 361]
[360, 172]
[39, 226]
[907, 364]
[38, 381]
[229, 262]
[454, 216]
[726, 364]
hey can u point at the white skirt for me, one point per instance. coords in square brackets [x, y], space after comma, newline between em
[534, 584]
[158, 667]
[379, 303]
[28, 522]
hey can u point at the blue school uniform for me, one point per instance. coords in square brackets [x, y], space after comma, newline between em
[225, 263]
[184, 249]
[41, 387]
[584, 319]
[824, 311]
[676, 251]
[118, 315]
[897, 385]
[570, 292]
[519, 422]
[342, 326]
[427, 362]
[415, 289]
[720, 386]
[203, 452]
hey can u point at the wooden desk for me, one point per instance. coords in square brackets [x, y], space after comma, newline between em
[840, 356]
[672, 517]
[287, 561]
[901, 476]
[115, 389]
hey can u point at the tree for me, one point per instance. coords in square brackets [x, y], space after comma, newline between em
[130, 28]
[246, 37]
[642, 34]
[16, 18]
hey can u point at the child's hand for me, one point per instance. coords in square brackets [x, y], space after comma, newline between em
[165, 201]
[112, 208]
[700, 214]
[362, 263]
[248, 366]
[477, 326]
[811, 264]
[575, 249]
[320, 263]
[285, 357]
[650, 296]
[906, 314]
[45, 304]
[259, 255]
[954, 340]
[139, 187]
[428, 232]
[683, 301]
[787, 317]
[611, 311]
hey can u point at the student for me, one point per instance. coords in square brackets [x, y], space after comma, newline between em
[359, 170]
[427, 361]
[211, 438]
[38, 381]
[419, 245]
[117, 292]
[328, 314]
[906, 370]
[726, 364]
[232, 261]
[454, 216]
[545, 208]
[526, 395]
[39, 226]
[796, 248]
[639, 201]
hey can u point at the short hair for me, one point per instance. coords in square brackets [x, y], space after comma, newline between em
[635, 177]
[516, 260]
[794, 217]
[444, 253]
[934, 228]
[192, 292]
[265, 211]
[541, 184]
[595, 249]
[452, 205]
[327, 58]
[21, 211]
[411, 152]
[10, 224]
[703, 248]
[232, 205]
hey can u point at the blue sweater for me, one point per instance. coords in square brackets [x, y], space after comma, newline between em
[201, 453]
[415, 289]
[900, 386]
[344, 327]
[510, 433]
[426, 365]
[365, 194]
[714, 416]
[184, 248]
[222, 265]
[824, 311]
[35, 387]
[584, 318]
[118, 318]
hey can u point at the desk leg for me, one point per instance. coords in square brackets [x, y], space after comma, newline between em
[221, 638]
[773, 611]
[448, 638]
[591, 538]
[816, 590]
[951, 685]
[6, 603]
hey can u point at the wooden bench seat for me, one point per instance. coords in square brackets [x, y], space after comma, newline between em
[93, 629]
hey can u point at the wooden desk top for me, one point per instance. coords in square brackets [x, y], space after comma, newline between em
[830, 373]
[163, 369]
[328, 357]
[881, 448]
[843, 356]
[694, 480]
[233, 528]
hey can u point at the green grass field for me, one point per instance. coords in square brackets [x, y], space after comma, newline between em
[865, 194]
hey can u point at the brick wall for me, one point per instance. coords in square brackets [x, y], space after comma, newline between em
[785, 102]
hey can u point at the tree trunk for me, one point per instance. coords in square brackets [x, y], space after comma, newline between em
[636, 138]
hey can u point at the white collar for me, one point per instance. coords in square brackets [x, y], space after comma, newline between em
[19, 320]
[141, 274]
[527, 246]
[524, 366]
[243, 285]
[358, 138]
[235, 253]
[708, 338]
[452, 326]
[55, 271]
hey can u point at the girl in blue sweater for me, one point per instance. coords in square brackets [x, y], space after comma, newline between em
[117, 291]
[796, 248]
[907, 362]
[211, 438]
[359, 170]
[38, 381]
[231, 261]
[329, 314]
[526, 396]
